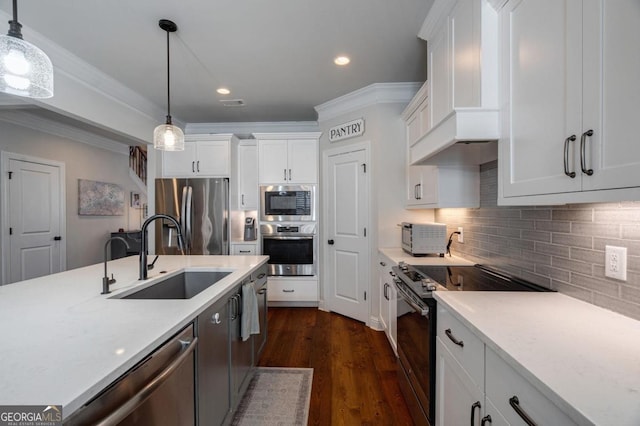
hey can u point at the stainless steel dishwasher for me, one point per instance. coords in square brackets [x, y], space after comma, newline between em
[159, 390]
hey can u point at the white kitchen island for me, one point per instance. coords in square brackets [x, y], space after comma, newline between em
[63, 341]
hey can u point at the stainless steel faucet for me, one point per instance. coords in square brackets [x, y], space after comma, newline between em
[144, 243]
[106, 281]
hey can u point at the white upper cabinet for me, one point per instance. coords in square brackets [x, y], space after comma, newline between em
[433, 187]
[569, 96]
[287, 158]
[247, 175]
[462, 76]
[204, 156]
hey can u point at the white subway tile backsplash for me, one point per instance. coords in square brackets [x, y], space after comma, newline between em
[557, 246]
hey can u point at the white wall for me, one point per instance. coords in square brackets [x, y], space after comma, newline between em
[86, 235]
[384, 128]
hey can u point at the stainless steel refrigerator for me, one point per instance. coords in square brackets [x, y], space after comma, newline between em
[201, 206]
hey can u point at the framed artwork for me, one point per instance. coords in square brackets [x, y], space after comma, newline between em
[100, 198]
[135, 200]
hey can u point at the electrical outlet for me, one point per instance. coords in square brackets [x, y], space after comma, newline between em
[460, 235]
[615, 262]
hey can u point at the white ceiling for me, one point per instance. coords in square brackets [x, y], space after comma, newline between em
[276, 55]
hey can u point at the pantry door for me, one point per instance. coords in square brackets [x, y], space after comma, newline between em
[347, 248]
[33, 232]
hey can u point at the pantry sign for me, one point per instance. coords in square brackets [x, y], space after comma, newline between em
[347, 130]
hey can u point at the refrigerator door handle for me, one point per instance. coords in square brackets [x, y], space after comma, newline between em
[183, 215]
[188, 208]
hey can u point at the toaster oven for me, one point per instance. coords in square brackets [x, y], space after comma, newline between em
[420, 239]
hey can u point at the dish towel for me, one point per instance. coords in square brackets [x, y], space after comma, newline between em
[249, 322]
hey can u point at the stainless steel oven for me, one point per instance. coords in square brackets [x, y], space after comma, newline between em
[288, 203]
[291, 247]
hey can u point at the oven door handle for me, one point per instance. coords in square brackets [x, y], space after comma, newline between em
[283, 237]
[407, 298]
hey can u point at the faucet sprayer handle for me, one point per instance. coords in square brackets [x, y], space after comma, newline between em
[152, 263]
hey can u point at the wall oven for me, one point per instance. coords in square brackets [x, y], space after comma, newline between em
[281, 203]
[292, 248]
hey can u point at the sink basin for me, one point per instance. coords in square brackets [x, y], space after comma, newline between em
[182, 286]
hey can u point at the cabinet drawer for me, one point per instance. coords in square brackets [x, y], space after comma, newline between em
[292, 290]
[243, 249]
[504, 383]
[470, 350]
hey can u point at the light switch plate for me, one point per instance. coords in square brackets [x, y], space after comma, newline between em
[460, 235]
[615, 262]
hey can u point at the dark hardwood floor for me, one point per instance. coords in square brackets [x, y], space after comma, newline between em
[354, 377]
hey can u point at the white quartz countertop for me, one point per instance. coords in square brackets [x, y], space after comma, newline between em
[398, 255]
[63, 341]
[583, 358]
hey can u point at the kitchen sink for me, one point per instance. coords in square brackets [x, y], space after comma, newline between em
[182, 286]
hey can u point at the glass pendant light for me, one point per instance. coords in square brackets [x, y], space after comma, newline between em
[25, 70]
[167, 137]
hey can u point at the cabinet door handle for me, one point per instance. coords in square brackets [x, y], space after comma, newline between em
[485, 419]
[453, 339]
[198, 166]
[285, 173]
[242, 202]
[473, 412]
[419, 191]
[515, 404]
[415, 191]
[288, 291]
[583, 155]
[566, 156]
[289, 174]
[193, 167]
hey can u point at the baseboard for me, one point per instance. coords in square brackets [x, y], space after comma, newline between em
[375, 324]
[275, 304]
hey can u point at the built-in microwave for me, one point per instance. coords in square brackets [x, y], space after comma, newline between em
[288, 203]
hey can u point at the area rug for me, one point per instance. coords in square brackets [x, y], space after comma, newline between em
[276, 396]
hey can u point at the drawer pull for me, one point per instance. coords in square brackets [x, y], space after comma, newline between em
[288, 291]
[473, 412]
[453, 339]
[515, 404]
[485, 419]
[245, 251]
[261, 276]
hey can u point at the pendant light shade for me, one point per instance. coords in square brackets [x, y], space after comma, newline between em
[167, 137]
[25, 70]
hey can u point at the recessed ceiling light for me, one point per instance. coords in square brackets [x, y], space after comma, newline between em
[223, 91]
[341, 60]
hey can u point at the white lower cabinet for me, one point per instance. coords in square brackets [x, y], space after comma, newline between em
[476, 386]
[298, 289]
[388, 300]
[515, 398]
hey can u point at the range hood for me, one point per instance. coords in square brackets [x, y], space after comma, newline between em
[463, 137]
[462, 84]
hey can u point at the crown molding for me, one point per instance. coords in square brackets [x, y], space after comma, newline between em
[288, 135]
[25, 119]
[374, 94]
[246, 129]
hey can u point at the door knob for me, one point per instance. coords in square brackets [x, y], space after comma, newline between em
[330, 242]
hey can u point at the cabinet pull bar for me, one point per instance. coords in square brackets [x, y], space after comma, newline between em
[193, 167]
[566, 156]
[289, 174]
[245, 251]
[198, 166]
[485, 419]
[419, 191]
[384, 292]
[583, 155]
[288, 291]
[473, 412]
[453, 339]
[285, 173]
[242, 200]
[515, 404]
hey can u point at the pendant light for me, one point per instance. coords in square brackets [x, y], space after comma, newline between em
[25, 70]
[167, 137]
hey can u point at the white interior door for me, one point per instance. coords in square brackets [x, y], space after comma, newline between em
[347, 246]
[35, 220]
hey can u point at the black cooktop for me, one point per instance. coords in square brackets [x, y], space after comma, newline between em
[421, 279]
